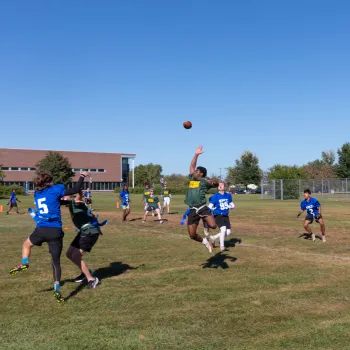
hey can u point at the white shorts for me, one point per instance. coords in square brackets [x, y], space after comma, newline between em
[166, 200]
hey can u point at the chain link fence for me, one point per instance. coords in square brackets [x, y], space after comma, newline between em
[284, 189]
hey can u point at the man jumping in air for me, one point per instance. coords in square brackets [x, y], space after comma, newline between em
[197, 202]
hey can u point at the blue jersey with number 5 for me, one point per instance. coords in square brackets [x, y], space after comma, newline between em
[221, 203]
[312, 206]
[48, 205]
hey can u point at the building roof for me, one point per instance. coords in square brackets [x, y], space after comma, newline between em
[26, 158]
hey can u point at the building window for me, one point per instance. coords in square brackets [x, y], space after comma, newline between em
[77, 170]
[101, 170]
[5, 168]
[92, 170]
[32, 169]
[14, 168]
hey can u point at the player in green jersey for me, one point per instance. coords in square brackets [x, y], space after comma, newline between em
[88, 232]
[152, 204]
[197, 202]
[166, 195]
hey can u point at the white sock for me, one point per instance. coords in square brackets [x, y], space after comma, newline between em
[228, 232]
[217, 236]
[222, 236]
[205, 241]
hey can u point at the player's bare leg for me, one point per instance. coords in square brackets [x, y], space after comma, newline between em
[308, 229]
[192, 231]
[126, 212]
[323, 229]
[159, 217]
[145, 216]
[76, 255]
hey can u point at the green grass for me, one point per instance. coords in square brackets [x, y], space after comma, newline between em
[160, 290]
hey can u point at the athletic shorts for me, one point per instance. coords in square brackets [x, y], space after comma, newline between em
[195, 216]
[124, 207]
[88, 201]
[13, 204]
[149, 208]
[311, 218]
[86, 239]
[222, 220]
[53, 236]
[166, 200]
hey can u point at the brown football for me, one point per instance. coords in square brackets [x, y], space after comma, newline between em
[187, 125]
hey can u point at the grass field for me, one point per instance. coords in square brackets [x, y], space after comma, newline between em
[160, 290]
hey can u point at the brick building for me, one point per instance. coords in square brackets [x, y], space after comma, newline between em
[108, 170]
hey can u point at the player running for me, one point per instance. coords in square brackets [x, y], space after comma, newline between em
[196, 200]
[152, 204]
[48, 224]
[313, 209]
[88, 232]
[166, 195]
[125, 202]
[13, 202]
[221, 203]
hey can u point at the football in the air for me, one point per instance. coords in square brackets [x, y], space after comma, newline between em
[187, 125]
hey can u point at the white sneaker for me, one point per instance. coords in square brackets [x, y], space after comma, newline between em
[313, 237]
[222, 249]
[206, 231]
[209, 247]
[161, 221]
[323, 239]
[152, 214]
[143, 221]
[212, 241]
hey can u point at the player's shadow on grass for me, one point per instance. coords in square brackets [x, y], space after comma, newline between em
[232, 242]
[113, 270]
[218, 260]
[308, 236]
[135, 219]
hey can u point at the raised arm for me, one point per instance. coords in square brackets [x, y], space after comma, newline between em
[193, 165]
[78, 186]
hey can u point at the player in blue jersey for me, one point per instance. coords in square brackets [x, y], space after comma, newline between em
[221, 203]
[48, 229]
[125, 202]
[13, 202]
[313, 212]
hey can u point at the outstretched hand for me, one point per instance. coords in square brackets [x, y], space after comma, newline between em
[199, 150]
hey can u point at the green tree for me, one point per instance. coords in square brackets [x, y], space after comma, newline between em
[58, 166]
[247, 170]
[328, 157]
[279, 171]
[176, 180]
[148, 174]
[318, 169]
[343, 167]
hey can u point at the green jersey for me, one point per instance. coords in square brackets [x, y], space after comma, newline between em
[197, 189]
[165, 192]
[81, 215]
[152, 201]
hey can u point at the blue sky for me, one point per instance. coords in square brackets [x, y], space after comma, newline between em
[268, 76]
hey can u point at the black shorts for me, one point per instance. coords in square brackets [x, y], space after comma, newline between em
[149, 208]
[50, 235]
[86, 239]
[222, 220]
[88, 201]
[13, 204]
[195, 216]
[311, 218]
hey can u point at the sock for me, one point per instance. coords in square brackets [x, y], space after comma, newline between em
[56, 287]
[25, 261]
[217, 236]
[222, 235]
[228, 232]
[205, 241]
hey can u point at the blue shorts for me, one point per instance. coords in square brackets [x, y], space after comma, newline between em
[151, 208]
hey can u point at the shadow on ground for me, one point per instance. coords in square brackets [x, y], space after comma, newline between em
[308, 236]
[113, 270]
[218, 261]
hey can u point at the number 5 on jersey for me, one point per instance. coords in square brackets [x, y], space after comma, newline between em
[43, 209]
